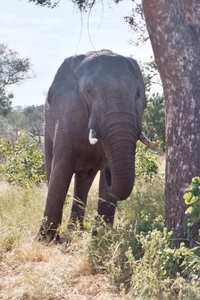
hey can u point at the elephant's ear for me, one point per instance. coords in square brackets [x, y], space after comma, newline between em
[64, 100]
[141, 100]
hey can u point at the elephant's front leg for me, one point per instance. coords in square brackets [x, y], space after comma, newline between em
[82, 184]
[107, 202]
[62, 169]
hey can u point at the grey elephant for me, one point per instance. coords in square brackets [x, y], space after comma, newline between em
[93, 115]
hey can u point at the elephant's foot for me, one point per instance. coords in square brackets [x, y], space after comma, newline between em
[47, 232]
[47, 237]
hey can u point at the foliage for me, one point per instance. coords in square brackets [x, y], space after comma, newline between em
[162, 272]
[192, 200]
[30, 119]
[142, 262]
[5, 102]
[110, 249]
[150, 74]
[13, 70]
[136, 254]
[11, 125]
[137, 23]
[23, 161]
[47, 3]
[154, 119]
[182, 260]
[154, 115]
[133, 217]
[146, 165]
[34, 121]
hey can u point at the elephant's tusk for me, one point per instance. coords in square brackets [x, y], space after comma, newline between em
[147, 142]
[92, 139]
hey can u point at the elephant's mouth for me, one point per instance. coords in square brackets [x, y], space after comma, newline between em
[93, 139]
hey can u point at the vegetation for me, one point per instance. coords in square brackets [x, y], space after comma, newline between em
[13, 70]
[48, 3]
[134, 260]
[154, 119]
[154, 115]
[146, 165]
[137, 258]
[22, 162]
[30, 119]
[192, 200]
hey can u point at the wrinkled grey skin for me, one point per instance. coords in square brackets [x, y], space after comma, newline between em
[105, 92]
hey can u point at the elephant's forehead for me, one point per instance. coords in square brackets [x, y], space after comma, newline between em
[106, 63]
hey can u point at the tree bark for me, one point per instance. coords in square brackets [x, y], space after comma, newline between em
[174, 30]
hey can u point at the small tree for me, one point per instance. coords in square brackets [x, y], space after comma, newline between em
[34, 121]
[30, 119]
[13, 70]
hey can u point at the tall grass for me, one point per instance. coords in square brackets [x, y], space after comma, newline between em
[133, 260]
[32, 270]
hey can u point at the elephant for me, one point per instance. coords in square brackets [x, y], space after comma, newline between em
[93, 117]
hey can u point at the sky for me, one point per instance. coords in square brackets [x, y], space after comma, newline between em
[47, 36]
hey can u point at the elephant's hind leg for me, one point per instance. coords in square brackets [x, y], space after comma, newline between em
[82, 184]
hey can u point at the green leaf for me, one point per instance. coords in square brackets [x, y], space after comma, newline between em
[189, 210]
[187, 197]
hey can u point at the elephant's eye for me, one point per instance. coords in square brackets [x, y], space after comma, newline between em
[90, 92]
[137, 96]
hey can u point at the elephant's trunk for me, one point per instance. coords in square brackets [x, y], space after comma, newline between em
[119, 142]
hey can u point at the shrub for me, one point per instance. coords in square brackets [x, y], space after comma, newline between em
[192, 200]
[23, 162]
[110, 249]
[146, 165]
[137, 252]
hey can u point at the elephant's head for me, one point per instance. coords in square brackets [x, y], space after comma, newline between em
[110, 90]
[114, 96]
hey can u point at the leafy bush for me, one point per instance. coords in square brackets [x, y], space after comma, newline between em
[138, 253]
[143, 265]
[140, 214]
[192, 199]
[23, 162]
[183, 260]
[162, 272]
[146, 166]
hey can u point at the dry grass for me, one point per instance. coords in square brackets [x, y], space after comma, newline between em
[30, 270]
[39, 272]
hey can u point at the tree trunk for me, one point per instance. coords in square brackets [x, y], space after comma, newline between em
[174, 30]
